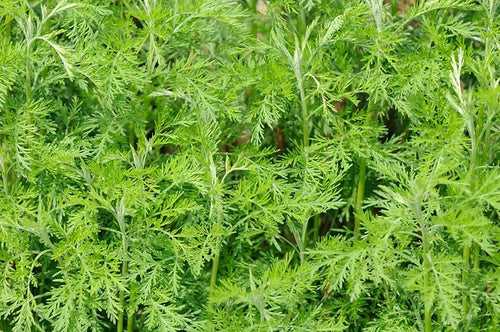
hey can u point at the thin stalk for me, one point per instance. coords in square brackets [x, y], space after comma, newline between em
[317, 226]
[28, 89]
[298, 57]
[130, 322]
[427, 284]
[427, 270]
[131, 311]
[494, 318]
[468, 254]
[4, 326]
[120, 213]
[360, 189]
[466, 260]
[360, 193]
[215, 269]
[7, 26]
[302, 22]
[303, 242]
[5, 179]
[297, 69]
[465, 272]
[305, 119]
[121, 317]
[476, 258]
[302, 95]
[394, 7]
[215, 208]
[305, 142]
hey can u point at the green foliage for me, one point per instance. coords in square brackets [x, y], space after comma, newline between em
[249, 165]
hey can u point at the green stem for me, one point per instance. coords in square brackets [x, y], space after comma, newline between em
[427, 285]
[303, 102]
[131, 308]
[427, 269]
[427, 266]
[394, 7]
[5, 179]
[303, 241]
[28, 89]
[494, 318]
[317, 226]
[4, 326]
[121, 317]
[476, 258]
[305, 124]
[215, 269]
[305, 120]
[465, 272]
[130, 322]
[216, 208]
[300, 80]
[302, 22]
[360, 193]
[8, 26]
[120, 213]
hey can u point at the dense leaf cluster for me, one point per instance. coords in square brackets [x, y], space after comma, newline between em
[249, 165]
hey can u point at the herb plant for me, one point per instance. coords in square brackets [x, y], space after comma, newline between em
[249, 165]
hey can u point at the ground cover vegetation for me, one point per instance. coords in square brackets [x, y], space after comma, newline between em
[243, 165]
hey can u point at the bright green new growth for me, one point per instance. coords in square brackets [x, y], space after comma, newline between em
[243, 165]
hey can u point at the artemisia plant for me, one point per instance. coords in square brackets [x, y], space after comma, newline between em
[249, 165]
